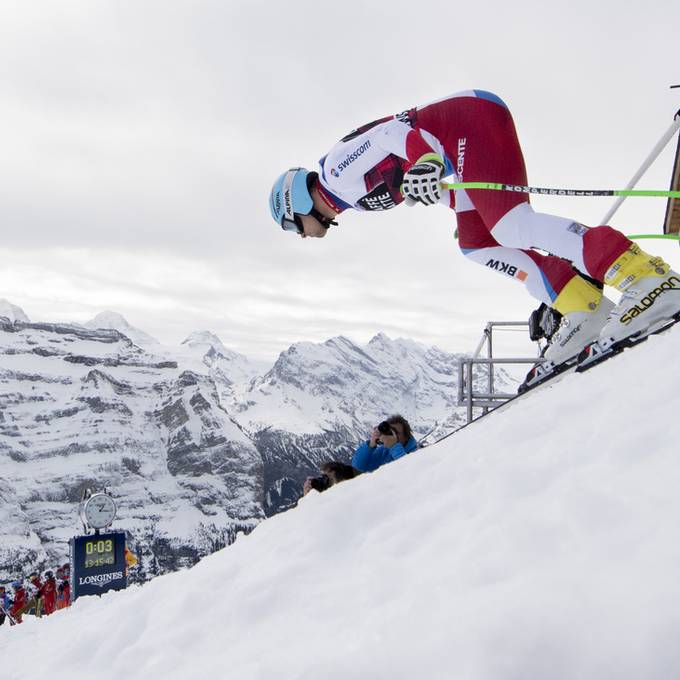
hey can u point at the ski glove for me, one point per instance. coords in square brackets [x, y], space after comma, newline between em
[422, 181]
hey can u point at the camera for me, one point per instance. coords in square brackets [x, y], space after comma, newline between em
[385, 428]
[320, 483]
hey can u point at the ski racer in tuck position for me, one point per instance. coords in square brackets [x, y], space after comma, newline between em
[471, 135]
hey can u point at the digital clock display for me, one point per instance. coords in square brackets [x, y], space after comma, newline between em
[99, 553]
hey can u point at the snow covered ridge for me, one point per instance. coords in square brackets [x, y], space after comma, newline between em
[540, 542]
[196, 442]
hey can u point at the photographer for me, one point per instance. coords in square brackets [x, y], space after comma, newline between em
[332, 472]
[388, 441]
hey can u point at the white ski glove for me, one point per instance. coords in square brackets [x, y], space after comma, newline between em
[422, 182]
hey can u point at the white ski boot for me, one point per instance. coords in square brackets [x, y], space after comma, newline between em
[584, 313]
[651, 295]
[576, 330]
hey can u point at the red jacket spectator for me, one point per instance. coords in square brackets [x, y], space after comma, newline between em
[35, 581]
[64, 595]
[20, 601]
[48, 593]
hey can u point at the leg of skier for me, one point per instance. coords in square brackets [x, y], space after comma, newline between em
[648, 285]
[545, 277]
[479, 133]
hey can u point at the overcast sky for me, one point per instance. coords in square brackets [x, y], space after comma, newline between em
[139, 141]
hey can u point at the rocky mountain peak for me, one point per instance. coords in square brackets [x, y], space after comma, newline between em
[12, 312]
[380, 339]
[116, 321]
[205, 340]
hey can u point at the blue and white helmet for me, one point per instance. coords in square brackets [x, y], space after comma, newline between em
[290, 195]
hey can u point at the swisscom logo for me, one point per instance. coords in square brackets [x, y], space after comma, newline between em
[351, 157]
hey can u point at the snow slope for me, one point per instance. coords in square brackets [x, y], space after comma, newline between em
[540, 543]
[188, 436]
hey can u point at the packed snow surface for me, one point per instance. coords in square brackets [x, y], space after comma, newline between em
[541, 542]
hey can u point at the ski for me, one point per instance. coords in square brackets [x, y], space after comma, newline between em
[10, 618]
[543, 372]
[591, 355]
[546, 373]
[601, 350]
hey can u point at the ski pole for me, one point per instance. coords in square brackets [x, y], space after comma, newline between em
[661, 144]
[518, 188]
[674, 237]
[10, 618]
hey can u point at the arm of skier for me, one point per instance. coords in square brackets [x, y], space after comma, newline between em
[422, 179]
[403, 141]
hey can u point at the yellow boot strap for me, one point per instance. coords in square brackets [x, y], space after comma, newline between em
[632, 266]
[577, 296]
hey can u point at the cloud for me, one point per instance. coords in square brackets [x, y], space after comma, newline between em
[140, 140]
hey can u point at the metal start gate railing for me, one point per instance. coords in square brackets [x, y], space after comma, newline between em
[488, 399]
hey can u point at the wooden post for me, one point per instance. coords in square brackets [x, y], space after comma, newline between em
[671, 224]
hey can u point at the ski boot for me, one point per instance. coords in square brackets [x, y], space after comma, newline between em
[650, 296]
[584, 311]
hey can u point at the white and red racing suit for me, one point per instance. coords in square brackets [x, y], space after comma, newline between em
[474, 133]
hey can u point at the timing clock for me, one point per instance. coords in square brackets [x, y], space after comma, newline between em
[99, 510]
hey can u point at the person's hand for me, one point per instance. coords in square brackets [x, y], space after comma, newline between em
[307, 486]
[422, 182]
[374, 439]
[389, 440]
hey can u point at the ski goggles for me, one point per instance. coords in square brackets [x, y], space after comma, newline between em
[295, 224]
[292, 225]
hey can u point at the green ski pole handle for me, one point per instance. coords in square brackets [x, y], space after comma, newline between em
[674, 237]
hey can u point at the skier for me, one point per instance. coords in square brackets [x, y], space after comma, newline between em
[471, 135]
[20, 601]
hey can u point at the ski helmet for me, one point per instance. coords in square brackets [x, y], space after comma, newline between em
[17, 584]
[290, 195]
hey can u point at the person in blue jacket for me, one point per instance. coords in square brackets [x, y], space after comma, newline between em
[390, 440]
[5, 604]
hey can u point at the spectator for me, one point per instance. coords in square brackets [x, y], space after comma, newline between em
[48, 593]
[63, 588]
[332, 472]
[130, 560]
[35, 600]
[20, 601]
[388, 441]
[5, 604]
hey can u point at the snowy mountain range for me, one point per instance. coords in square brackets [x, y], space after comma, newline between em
[541, 542]
[197, 443]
